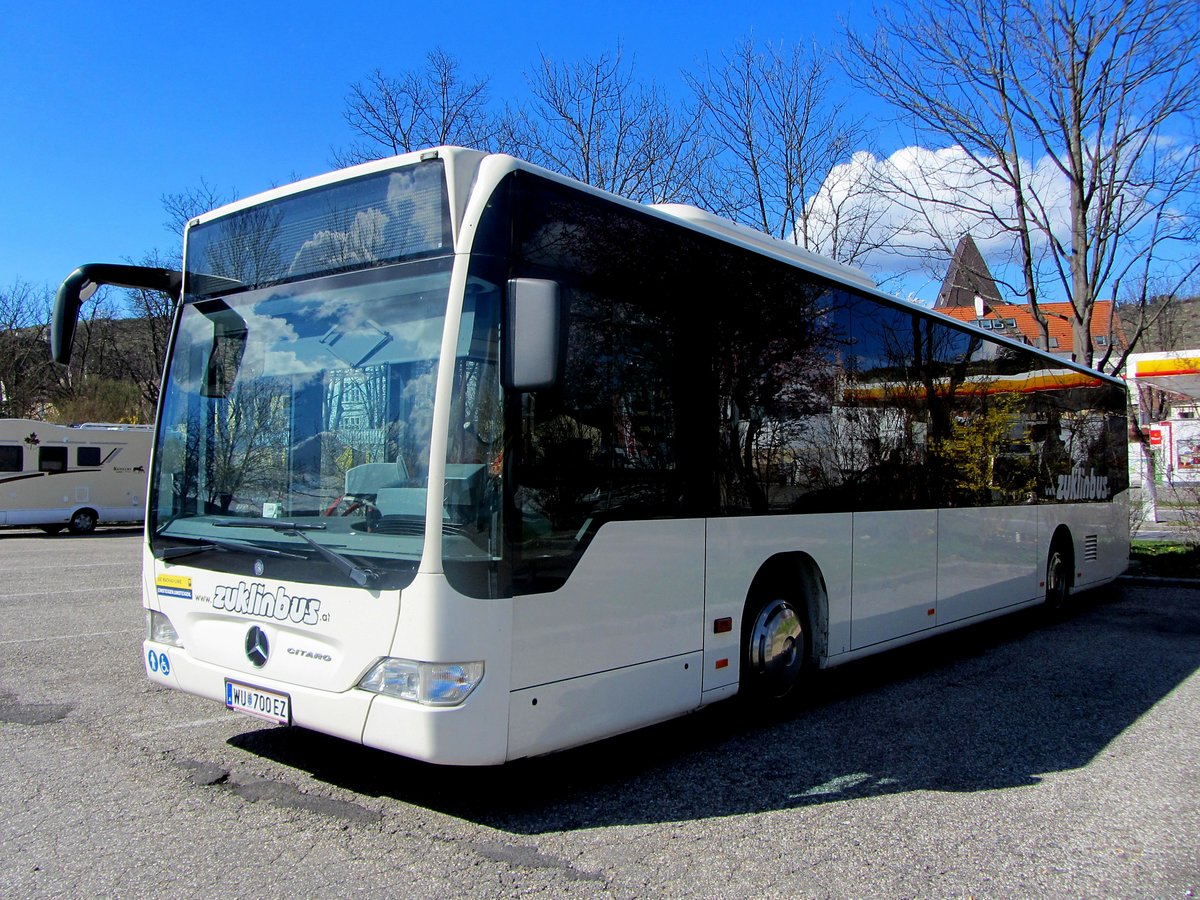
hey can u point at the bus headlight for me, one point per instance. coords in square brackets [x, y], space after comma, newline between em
[430, 684]
[160, 630]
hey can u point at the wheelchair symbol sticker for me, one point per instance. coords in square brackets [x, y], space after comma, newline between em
[158, 662]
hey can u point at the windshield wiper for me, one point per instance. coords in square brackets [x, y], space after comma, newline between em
[273, 524]
[168, 553]
[360, 575]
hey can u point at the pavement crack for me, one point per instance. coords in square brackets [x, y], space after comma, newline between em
[520, 856]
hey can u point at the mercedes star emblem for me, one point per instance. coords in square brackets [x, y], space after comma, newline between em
[257, 647]
[258, 567]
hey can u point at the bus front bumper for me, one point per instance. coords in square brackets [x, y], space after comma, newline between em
[473, 734]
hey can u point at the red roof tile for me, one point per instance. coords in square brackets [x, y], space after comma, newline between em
[1025, 327]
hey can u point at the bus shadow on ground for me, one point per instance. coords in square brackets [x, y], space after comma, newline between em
[994, 706]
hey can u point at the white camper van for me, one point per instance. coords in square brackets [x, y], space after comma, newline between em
[72, 476]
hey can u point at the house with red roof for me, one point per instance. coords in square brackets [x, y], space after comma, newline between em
[969, 294]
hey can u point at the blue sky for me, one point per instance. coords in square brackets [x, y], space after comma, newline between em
[109, 106]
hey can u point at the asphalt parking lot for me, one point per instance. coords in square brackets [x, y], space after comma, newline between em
[1025, 757]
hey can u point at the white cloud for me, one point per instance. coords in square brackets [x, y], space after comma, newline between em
[362, 242]
[903, 211]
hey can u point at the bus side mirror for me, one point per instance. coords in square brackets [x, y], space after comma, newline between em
[533, 334]
[84, 281]
[72, 294]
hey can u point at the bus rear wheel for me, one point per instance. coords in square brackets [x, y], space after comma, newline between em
[1058, 577]
[775, 649]
[83, 522]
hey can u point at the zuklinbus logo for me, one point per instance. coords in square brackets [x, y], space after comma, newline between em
[1078, 486]
[256, 600]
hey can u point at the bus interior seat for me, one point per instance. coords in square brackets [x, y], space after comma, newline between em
[370, 478]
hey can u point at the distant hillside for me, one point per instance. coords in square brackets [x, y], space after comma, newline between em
[1176, 328]
[117, 360]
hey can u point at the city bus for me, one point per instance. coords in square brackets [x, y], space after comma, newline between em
[465, 460]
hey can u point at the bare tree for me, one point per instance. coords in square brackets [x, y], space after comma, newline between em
[594, 121]
[1101, 90]
[423, 107]
[1166, 321]
[95, 343]
[783, 149]
[27, 377]
[184, 206]
[126, 332]
[100, 384]
[150, 326]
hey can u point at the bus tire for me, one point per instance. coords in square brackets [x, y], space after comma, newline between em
[83, 521]
[775, 647]
[1060, 566]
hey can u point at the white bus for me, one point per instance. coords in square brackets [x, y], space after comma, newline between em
[470, 462]
[72, 476]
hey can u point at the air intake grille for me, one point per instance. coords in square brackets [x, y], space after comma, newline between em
[1090, 547]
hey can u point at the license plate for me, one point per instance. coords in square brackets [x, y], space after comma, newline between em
[257, 702]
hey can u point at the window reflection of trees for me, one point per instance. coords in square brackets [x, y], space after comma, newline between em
[959, 436]
[247, 452]
[702, 379]
[609, 443]
[777, 338]
[910, 371]
[374, 219]
[245, 248]
[354, 430]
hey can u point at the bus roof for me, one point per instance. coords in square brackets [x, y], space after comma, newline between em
[762, 241]
[465, 172]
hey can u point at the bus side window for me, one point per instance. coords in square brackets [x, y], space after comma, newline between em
[87, 456]
[52, 459]
[11, 459]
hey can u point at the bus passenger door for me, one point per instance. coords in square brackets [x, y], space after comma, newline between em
[894, 575]
[617, 646]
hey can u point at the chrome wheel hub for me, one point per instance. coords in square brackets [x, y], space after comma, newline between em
[776, 646]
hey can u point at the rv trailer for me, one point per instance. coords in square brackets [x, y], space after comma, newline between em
[72, 476]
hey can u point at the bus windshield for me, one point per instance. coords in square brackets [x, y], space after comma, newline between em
[399, 214]
[306, 405]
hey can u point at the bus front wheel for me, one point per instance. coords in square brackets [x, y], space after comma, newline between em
[775, 648]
